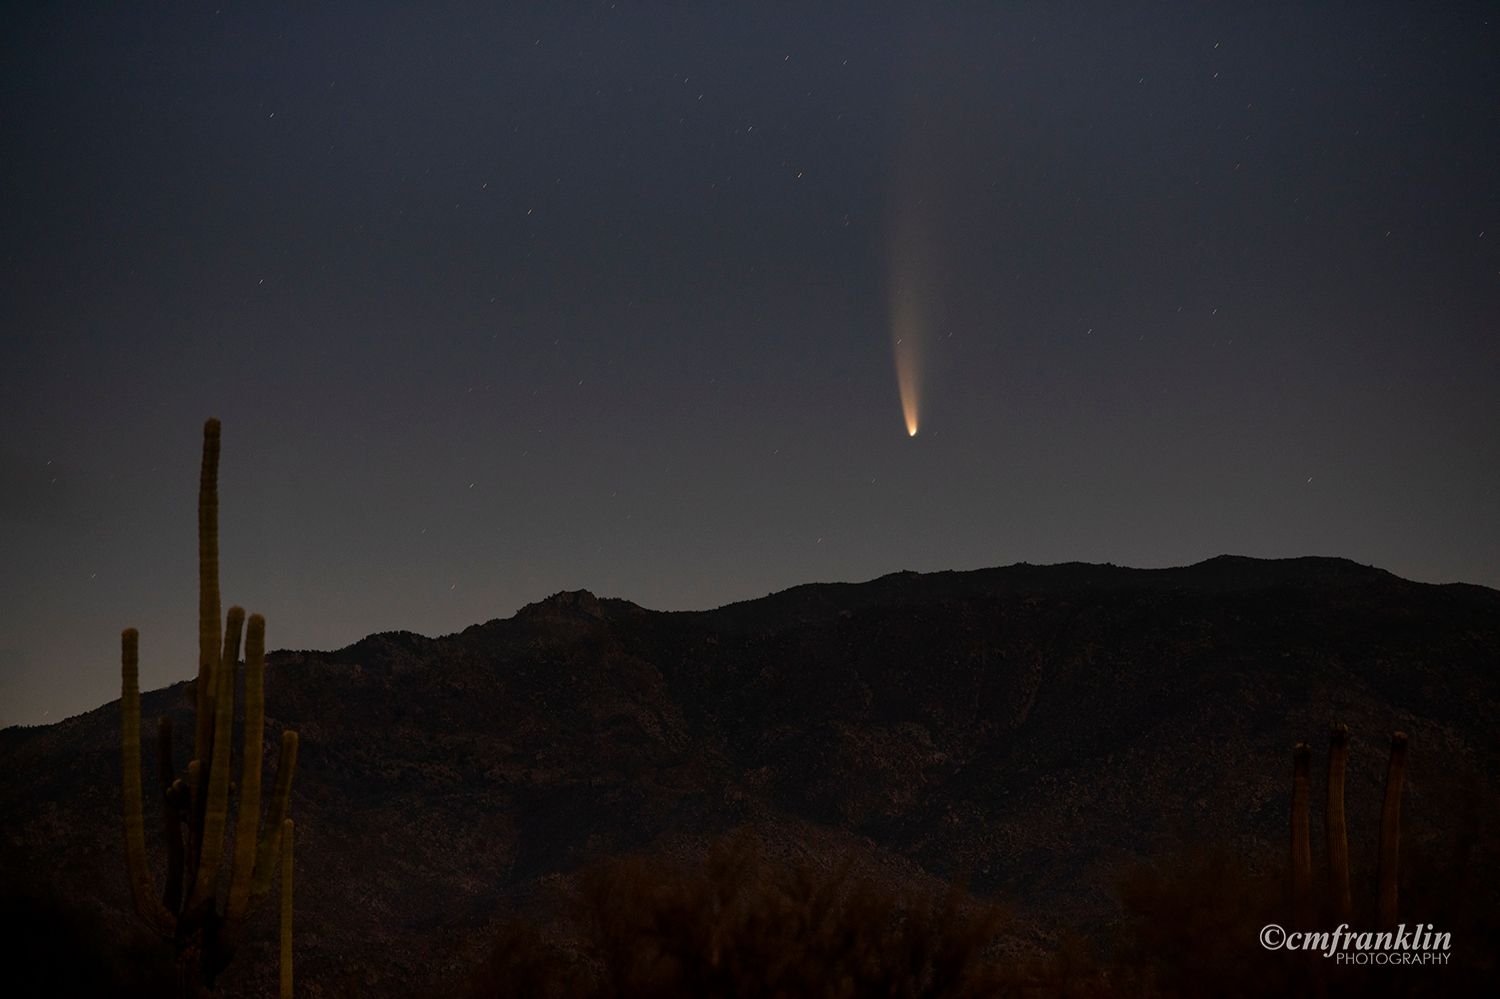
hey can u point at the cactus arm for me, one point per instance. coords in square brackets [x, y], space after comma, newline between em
[216, 809]
[171, 818]
[195, 817]
[265, 859]
[286, 909]
[130, 752]
[249, 813]
[1301, 844]
[208, 586]
[1335, 827]
[1390, 832]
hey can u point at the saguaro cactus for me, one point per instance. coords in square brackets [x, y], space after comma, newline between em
[1337, 834]
[1390, 831]
[195, 803]
[1301, 841]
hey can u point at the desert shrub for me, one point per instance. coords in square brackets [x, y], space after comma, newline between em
[1191, 925]
[54, 949]
[523, 962]
[741, 925]
[1191, 928]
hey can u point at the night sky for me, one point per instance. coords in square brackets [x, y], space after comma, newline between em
[493, 305]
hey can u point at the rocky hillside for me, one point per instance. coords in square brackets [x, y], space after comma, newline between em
[1030, 728]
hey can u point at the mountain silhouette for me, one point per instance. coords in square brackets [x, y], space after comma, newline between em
[1029, 730]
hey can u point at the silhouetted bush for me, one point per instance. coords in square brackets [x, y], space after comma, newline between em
[53, 950]
[740, 925]
[1191, 928]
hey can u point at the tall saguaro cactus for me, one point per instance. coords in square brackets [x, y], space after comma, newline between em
[196, 802]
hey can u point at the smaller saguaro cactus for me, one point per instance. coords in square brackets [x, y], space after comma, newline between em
[1337, 833]
[1301, 841]
[1390, 831]
[195, 802]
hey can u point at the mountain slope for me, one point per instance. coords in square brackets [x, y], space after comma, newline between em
[1031, 728]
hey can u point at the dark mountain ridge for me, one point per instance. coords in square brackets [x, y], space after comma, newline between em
[1030, 728]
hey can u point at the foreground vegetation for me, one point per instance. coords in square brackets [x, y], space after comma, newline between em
[741, 924]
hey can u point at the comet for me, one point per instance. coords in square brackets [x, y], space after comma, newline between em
[912, 269]
[904, 347]
[909, 286]
[922, 203]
